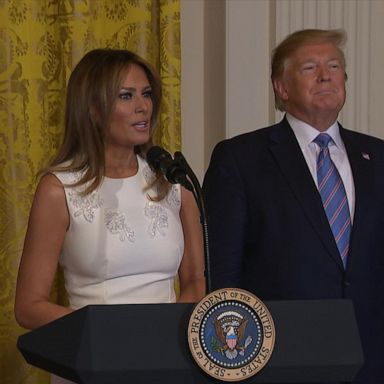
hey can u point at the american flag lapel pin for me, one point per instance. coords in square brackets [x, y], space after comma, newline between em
[365, 155]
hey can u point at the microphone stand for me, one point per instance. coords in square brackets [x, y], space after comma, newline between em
[198, 194]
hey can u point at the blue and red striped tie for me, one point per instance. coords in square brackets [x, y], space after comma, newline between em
[333, 195]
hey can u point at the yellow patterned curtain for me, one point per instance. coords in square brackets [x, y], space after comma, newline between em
[40, 42]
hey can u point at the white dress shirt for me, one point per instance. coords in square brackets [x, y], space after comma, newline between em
[305, 134]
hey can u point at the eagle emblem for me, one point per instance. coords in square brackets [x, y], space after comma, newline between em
[230, 327]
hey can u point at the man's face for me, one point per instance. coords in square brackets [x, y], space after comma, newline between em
[312, 86]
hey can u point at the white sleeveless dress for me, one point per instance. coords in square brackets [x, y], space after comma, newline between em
[121, 247]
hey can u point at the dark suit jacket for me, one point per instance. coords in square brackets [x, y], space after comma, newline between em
[269, 234]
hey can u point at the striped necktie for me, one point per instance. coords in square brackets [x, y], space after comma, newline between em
[333, 195]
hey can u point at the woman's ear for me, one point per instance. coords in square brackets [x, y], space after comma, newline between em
[94, 115]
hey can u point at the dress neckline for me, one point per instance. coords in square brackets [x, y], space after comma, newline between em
[139, 166]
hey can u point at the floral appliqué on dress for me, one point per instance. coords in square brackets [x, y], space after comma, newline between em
[158, 212]
[115, 223]
[173, 198]
[86, 205]
[158, 216]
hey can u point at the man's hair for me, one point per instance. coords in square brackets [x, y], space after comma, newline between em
[298, 39]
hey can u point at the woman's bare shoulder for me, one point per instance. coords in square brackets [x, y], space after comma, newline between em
[50, 191]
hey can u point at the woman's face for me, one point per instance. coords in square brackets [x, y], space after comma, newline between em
[131, 114]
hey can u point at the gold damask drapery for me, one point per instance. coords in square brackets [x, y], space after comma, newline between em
[40, 42]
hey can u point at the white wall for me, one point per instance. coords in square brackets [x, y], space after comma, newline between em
[192, 84]
[226, 46]
[248, 93]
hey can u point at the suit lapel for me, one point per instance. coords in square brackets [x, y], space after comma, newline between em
[289, 157]
[362, 171]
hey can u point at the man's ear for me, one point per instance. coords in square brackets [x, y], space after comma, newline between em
[280, 89]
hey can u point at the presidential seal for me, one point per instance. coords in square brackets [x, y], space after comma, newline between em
[231, 334]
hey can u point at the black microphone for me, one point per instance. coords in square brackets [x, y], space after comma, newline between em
[176, 171]
[159, 159]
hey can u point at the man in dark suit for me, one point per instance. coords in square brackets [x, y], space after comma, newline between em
[271, 227]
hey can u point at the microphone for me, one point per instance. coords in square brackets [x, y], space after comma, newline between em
[176, 171]
[159, 159]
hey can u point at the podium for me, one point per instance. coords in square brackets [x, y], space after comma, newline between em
[317, 341]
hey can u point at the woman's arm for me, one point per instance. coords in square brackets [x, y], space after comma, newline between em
[191, 271]
[48, 222]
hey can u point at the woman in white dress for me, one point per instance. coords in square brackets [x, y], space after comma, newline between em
[119, 230]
